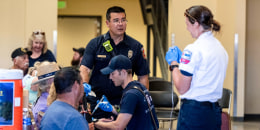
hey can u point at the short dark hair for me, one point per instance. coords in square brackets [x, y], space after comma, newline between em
[129, 71]
[65, 78]
[114, 9]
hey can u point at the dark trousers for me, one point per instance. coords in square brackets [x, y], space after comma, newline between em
[196, 115]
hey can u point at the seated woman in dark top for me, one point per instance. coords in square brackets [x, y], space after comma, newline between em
[38, 45]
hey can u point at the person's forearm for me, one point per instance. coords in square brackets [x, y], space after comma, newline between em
[85, 73]
[105, 125]
[181, 82]
[144, 80]
[34, 87]
[110, 124]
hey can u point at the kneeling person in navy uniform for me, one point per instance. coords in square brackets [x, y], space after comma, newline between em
[136, 110]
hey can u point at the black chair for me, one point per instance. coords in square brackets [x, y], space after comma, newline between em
[154, 78]
[225, 103]
[164, 99]
[160, 85]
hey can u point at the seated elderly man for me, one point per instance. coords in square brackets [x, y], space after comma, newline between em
[20, 59]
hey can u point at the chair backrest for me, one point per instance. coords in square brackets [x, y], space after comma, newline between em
[164, 98]
[160, 85]
[225, 101]
[162, 93]
[154, 78]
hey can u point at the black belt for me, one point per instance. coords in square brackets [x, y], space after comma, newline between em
[204, 103]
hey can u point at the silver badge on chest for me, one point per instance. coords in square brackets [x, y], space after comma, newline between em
[130, 54]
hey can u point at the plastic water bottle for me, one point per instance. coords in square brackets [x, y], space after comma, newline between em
[27, 124]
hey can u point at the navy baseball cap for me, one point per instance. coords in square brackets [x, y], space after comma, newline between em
[20, 51]
[117, 63]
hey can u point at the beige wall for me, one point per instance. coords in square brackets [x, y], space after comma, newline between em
[226, 13]
[73, 33]
[232, 14]
[19, 18]
[12, 29]
[240, 29]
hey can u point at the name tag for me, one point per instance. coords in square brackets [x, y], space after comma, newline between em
[101, 56]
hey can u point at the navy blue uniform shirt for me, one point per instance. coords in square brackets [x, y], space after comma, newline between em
[96, 58]
[135, 103]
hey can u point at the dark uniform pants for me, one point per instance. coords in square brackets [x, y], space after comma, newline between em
[196, 115]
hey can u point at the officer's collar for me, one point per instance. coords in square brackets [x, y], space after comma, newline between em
[107, 37]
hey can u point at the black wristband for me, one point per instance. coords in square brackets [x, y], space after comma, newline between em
[171, 67]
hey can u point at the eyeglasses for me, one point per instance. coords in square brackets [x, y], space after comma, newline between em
[117, 21]
[38, 32]
[188, 15]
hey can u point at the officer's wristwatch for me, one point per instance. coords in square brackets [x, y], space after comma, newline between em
[171, 67]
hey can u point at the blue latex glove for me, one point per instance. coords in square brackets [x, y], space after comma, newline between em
[104, 98]
[105, 105]
[87, 88]
[173, 54]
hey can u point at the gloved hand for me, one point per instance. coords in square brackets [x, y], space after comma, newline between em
[173, 54]
[105, 105]
[87, 88]
[104, 98]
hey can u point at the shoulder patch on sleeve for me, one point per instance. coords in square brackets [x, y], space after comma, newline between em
[186, 56]
[143, 53]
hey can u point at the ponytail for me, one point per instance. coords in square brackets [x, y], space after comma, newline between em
[216, 26]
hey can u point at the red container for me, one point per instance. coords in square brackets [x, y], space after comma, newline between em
[11, 99]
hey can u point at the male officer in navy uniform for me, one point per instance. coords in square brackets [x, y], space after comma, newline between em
[99, 52]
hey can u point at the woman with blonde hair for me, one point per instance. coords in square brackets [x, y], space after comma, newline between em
[45, 73]
[38, 45]
[52, 95]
